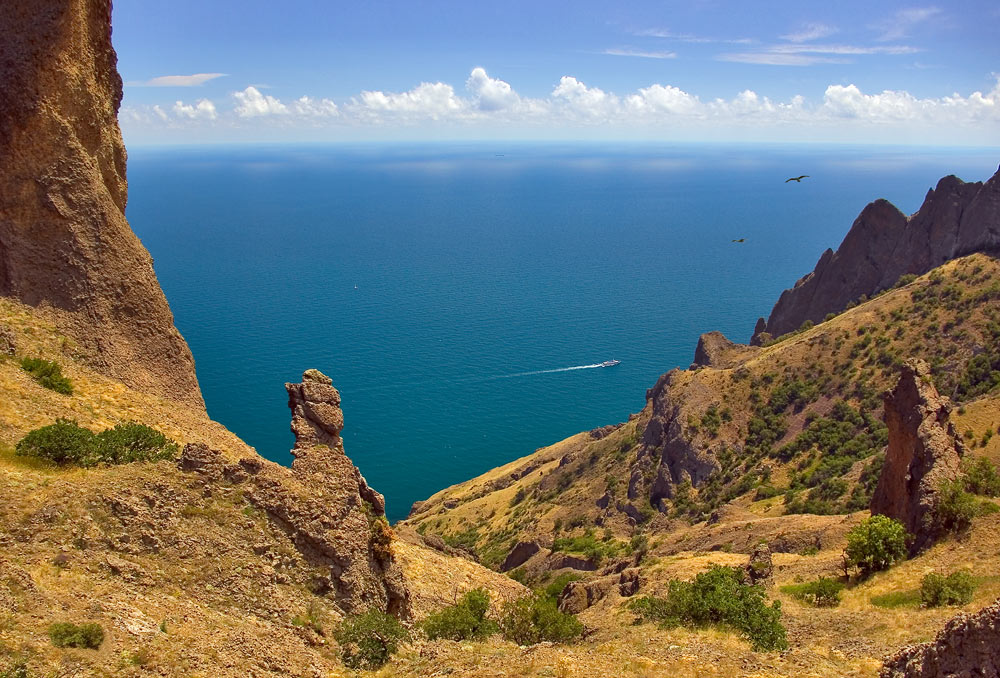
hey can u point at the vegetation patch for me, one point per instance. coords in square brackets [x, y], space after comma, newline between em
[876, 544]
[534, 619]
[465, 620]
[596, 550]
[719, 597]
[368, 640]
[66, 442]
[47, 374]
[956, 588]
[66, 634]
[897, 599]
[822, 592]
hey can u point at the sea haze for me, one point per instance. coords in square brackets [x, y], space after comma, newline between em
[440, 286]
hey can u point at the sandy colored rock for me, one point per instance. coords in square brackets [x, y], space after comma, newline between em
[968, 645]
[924, 451]
[760, 569]
[715, 350]
[64, 242]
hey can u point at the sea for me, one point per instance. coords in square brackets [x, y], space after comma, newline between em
[462, 296]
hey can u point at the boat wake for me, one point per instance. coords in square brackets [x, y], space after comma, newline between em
[558, 369]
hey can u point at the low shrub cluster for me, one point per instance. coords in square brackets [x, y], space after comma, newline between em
[66, 634]
[66, 442]
[368, 640]
[534, 619]
[876, 544]
[822, 592]
[720, 597]
[955, 589]
[47, 374]
[465, 620]
[981, 477]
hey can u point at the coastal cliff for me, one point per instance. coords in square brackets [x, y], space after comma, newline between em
[955, 219]
[65, 245]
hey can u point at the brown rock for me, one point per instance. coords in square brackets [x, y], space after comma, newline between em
[883, 244]
[520, 555]
[7, 345]
[579, 595]
[557, 561]
[64, 240]
[760, 569]
[924, 451]
[714, 350]
[968, 645]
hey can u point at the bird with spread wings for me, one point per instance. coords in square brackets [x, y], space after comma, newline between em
[797, 179]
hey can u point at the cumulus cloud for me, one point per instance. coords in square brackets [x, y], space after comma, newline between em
[194, 80]
[251, 103]
[307, 106]
[657, 99]
[434, 100]
[204, 109]
[490, 94]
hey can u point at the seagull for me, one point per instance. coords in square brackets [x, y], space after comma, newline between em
[740, 240]
[798, 179]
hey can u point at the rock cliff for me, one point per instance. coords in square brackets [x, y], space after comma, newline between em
[64, 242]
[956, 219]
[924, 451]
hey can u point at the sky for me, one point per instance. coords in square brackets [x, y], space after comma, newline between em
[223, 71]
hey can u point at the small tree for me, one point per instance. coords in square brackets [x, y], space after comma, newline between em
[955, 589]
[368, 640]
[533, 619]
[465, 620]
[876, 544]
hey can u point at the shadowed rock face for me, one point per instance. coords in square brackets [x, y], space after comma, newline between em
[64, 241]
[714, 350]
[968, 645]
[924, 451]
[883, 244]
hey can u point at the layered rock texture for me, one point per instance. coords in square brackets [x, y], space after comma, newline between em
[956, 219]
[924, 452]
[969, 645]
[64, 242]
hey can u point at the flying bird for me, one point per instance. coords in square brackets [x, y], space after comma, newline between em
[798, 179]
[740, 240]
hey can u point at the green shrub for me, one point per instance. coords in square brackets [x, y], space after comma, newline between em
[533, 619]
[554, 588]
[66, 442]
[19, 669]
[65, 634]
[47, 374]
[876, 544]
[897, 599]
[981, 477]
[822, 592]
[368, 640]
[722, 597]
[465, 620]
[955, 589]
[955, 507]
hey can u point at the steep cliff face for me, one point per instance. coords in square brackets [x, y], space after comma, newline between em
[64, 242]
[956, 219]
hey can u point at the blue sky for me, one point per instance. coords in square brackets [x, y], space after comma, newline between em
[699, 70]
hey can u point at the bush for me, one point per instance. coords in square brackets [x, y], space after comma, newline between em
[368, 640]
[534, 619]
[65, 634]
[19, 669]
[47, 374]
[876, 544]
[955, 589]
[822, 592]
[719, 597]
[66, 442]
[465, 620]
[981, 477]
[955, 507]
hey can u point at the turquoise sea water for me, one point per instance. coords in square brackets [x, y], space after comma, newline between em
[444, 287]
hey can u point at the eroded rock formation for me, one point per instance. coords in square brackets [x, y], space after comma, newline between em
[924, 452]
[760, 569]
[968, 645]
[715, 350]
[323, 503]
[64, 241]
[956, 219]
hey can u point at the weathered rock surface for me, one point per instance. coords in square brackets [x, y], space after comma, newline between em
[323, 503]
[760, 569]
[64, 242]
[956, 219]
[579, 595]
[519, 555]
[924, 451]
[715, 350]
[968, 646]
[8, 347]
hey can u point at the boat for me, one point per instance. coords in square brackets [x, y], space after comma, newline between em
[610, 363]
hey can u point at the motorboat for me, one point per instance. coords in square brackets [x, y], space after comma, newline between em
[610, 363]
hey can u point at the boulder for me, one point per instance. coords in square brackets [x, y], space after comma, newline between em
[579, 595]
[924, 451]
[760, 569]
[968, 645]
[558, 561]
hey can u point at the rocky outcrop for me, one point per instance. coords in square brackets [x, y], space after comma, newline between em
[579, 595]
[760, 569]
[956, 219]
[519, 555]
[924, 451]
[714, 350]
[969, 645]
[64, 242]
[322, 502]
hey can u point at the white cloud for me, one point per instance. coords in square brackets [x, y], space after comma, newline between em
[324, 108]
[901, 106]
[431, 100]
[810, 31]
[490, 94]
[194, 80]
[688, 37]
[203, 109]
[778, 59]
[576, 100]
[251, 103]
[902, 22]
[640, 53]
[659, 99]
[805, 54]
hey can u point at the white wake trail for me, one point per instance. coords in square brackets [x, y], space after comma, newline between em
[558, 369]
